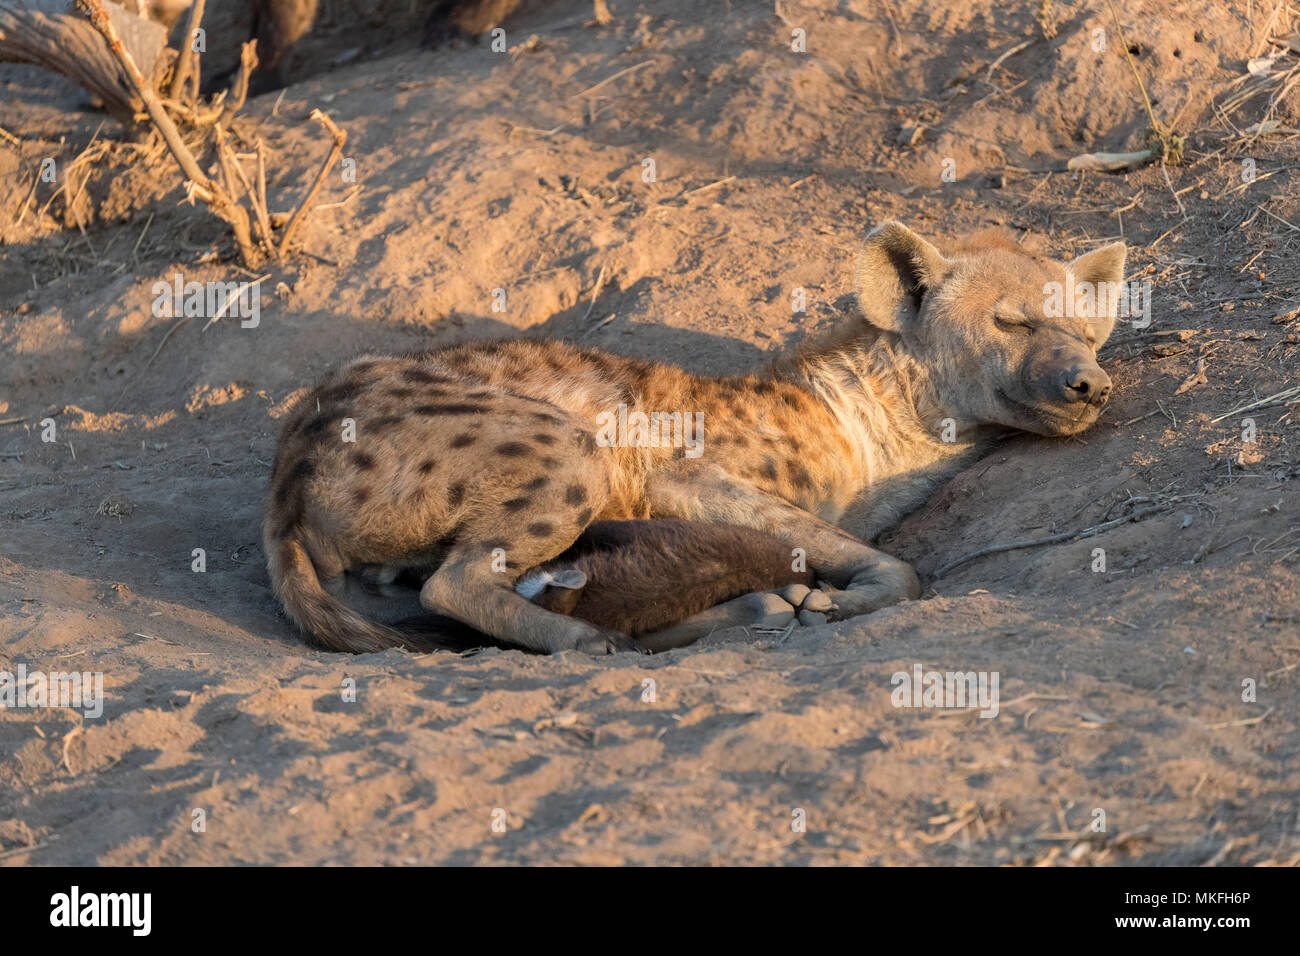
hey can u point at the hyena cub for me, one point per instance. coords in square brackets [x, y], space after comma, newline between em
[642, 577]
[469, 465]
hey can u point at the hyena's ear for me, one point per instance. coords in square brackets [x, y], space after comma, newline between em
[896, 267]
[1103, 270]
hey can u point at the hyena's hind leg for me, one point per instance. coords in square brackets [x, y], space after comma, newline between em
[520, 520]
[467, 587]
[538, 480]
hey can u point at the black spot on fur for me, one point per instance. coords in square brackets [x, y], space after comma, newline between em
[454, 408]
[550, 462]
[584, 516]
[340, 393]
[799, 475]
[493, 543]
[426, 466]
[586, 442]
[548, 418]
[284, 491]
[360, 496]
[512, 449]
[385, 421]
[542, 438]
[768, 470]
[418, 375]
[462, 440]
[401, 392]
[289, 526]
[537, 484]
[456, 493]
[363, 461]
[321, 422]
[289, 485]
[516, 504]
[541, 529]
[450, 538]
[575, 495]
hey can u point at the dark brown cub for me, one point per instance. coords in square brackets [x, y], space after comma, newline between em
[639, 577]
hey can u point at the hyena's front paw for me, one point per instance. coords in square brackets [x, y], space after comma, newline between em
[851, 603]
[887, 581]
[811, 605]
[607, 642]
[766, 609]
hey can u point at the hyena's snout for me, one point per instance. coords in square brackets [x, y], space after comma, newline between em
[1070, 376]
[1063, 393]
[1084, 382]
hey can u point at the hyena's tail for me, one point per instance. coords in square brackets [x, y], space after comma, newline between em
[331, 622]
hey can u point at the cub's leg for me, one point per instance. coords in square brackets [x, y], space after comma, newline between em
[759, 609]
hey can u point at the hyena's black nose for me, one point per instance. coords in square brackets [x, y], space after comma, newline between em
[1086, 385]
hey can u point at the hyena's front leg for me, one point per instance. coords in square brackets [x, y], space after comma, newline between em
[862, 578]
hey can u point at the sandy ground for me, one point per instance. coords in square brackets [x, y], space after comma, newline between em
[1121, 690]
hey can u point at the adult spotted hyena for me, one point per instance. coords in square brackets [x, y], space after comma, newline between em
[469, 465]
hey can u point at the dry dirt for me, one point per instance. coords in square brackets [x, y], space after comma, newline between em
[1122, 690]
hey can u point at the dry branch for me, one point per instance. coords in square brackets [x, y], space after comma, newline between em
[340, 137]
[218, 200]
[239, 89]
[187, 62]
[1137, 515]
